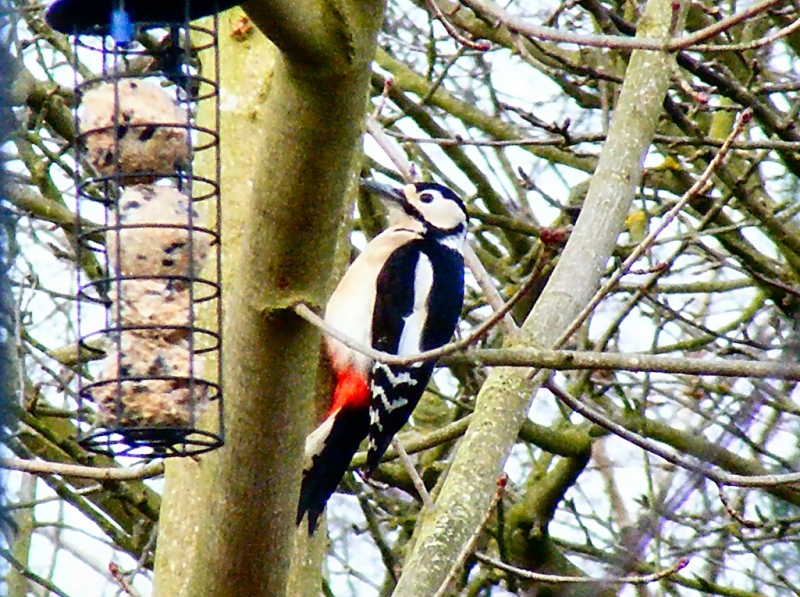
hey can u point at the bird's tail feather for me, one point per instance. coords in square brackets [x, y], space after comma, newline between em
[329, 450]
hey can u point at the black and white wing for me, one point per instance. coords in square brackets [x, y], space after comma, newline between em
[420, 291]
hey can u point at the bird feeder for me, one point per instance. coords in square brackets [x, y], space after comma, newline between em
[148, 225]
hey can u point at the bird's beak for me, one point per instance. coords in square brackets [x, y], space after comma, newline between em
[384, 191]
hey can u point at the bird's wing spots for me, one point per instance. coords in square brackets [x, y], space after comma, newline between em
[396, 390]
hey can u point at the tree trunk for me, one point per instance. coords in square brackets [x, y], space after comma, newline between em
[297, 125]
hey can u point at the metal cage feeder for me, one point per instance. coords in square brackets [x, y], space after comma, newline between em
[137, 137]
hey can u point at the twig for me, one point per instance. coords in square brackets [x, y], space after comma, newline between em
[567, 360]
[520, 25]
[120, 578]
[718, 477]
[486, 283]
[29, 201]
[416, 443]
[69, 356]
[419, 484]
[146, 551]
[672, 140]
[30, 575]
[502, 481]
[42, 467]
[306, 313]
[700, 186]
[733, 513]
[387, 87]
[558, 579]
[752, 45]
[481, 46]
[96, 487]
[391, 149]
[574, 360]
[687, 41]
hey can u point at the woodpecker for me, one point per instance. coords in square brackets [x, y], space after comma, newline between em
[402, 295]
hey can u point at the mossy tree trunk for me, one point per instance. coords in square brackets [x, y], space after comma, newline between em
[292, 117]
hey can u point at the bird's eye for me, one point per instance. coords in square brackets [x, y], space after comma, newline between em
[426, 197]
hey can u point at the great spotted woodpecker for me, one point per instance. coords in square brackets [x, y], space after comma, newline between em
[402, 295]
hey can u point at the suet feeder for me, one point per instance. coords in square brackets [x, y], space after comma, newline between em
[146, 366]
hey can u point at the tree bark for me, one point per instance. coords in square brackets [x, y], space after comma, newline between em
[243, 112]
[290, 135]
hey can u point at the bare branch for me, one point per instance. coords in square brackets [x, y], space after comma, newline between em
[614, 42]
[563, 360]
[40, 467]
[752, 45]
[719, 477]
[391, 149]
[486, 283]
[481, 45]
[419, 484]
[557, 579]
[33, 577]
[117, 575]
[575, 360]
[700, 186]
[733, 513]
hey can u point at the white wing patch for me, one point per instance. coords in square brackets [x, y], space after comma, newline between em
[411, 337]
[395, 379]
[375, 419]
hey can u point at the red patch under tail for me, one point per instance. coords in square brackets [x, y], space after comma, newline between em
[352, 391]
[346, 426]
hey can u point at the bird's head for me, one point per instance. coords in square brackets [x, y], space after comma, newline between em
[434, 206]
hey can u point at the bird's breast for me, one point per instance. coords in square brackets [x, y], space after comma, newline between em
[351, 306]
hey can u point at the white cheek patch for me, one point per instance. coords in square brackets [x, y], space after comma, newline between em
[441, 213]
[448, 215]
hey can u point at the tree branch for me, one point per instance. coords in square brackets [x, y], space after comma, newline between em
[41, 467]
[504, 399]
[642, 579]
[575, 360]
[719, 477]
[614, 42]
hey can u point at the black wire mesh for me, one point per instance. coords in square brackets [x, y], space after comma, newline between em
[142, 384]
